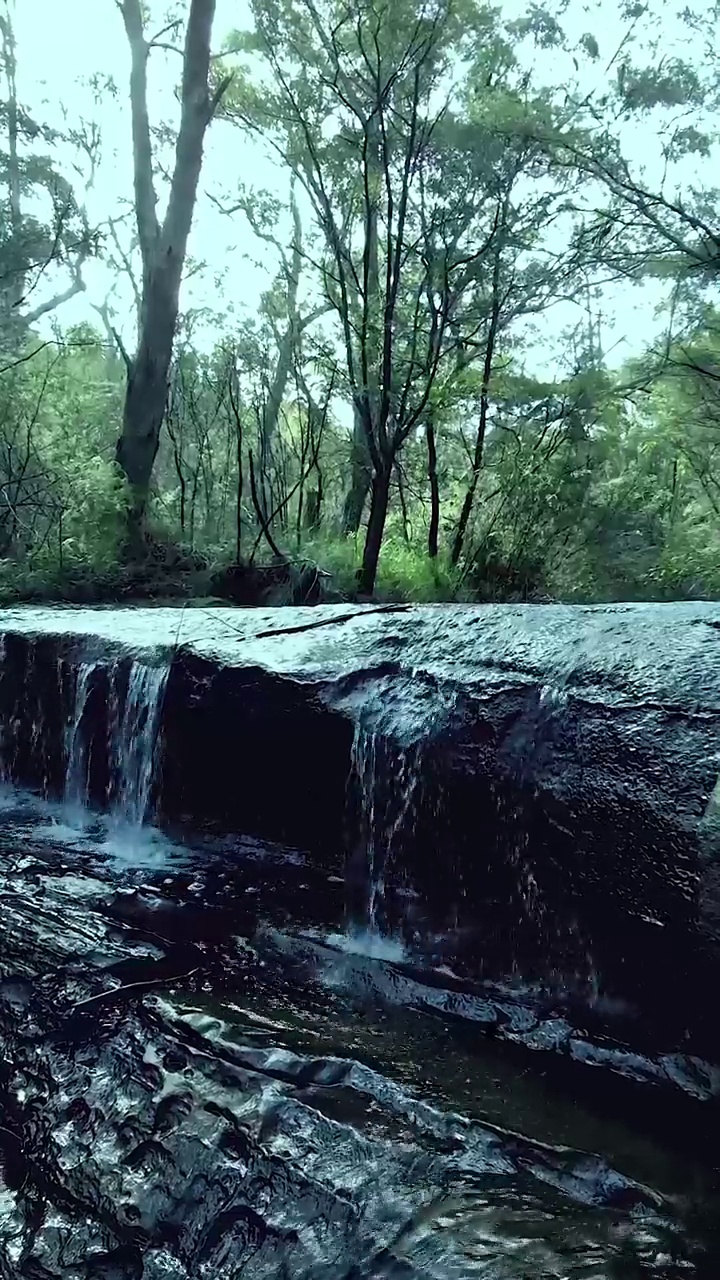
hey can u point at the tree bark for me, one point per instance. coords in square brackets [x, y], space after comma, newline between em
[163, 247]
[434, 530]
[379, 502]
[313, 509]
[467, 506]
[239, 498]
[287, 343]
[370, 307]
[146, 395]
[360, 477]
[403, 504]
[16, 289]
[235, 408]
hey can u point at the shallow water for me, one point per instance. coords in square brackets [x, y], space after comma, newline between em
[205, 1076]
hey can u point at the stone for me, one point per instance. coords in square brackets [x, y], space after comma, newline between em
[542, 785]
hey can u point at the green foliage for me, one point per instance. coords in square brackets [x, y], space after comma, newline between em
[405, 573]
[444, 194]
[62, 499]
[644, 88]
[43, 231]
[587, 492]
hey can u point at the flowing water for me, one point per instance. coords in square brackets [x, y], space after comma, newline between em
[133, 694]
[76, 777]
[133, 736]
[221, 1061]
[383, 792]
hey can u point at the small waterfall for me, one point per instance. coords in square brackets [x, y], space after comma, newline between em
[384, 787]
[116, 715]
[77, 743]
[133, 739]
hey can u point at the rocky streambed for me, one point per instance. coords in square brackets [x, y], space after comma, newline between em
[200, 1079]
[359, 943]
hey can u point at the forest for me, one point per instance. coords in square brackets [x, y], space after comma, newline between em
[430, 394]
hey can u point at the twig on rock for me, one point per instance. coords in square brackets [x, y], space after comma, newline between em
[328, 622]
[131, 986]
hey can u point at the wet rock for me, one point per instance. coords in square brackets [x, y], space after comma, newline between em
[169, 1133]
[540, 792]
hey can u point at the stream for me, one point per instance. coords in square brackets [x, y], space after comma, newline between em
[203, 1078]
[220, 1058]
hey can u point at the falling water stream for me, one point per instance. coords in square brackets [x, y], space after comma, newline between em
[221, 1062]
[133, 738]
[383, 787]
[76, 776]
[133, 707]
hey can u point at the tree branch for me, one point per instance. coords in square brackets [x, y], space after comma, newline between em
[145, 194]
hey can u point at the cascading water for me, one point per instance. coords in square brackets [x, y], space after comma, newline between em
[384, 786]
[132, 706]
[133, 738]
[76, 770]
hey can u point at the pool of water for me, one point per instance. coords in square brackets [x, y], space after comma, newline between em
[204, 1075]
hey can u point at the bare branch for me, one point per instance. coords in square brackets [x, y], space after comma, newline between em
[145, 194]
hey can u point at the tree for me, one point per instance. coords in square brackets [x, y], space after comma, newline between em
[43, 231]
[404, 374]
[648, 218]
[281, 314]
[163, 244]
[61, 502]
[432, 197]
[356, 109]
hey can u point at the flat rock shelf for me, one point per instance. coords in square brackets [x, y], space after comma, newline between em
[523, 795]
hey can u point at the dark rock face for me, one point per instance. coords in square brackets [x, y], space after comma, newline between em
[247, 750]
[534, 783]
[279, 583]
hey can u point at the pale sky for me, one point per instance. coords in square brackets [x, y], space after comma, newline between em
[51, 75]
[56, 51]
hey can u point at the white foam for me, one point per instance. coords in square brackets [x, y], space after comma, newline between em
[101, 836]
[369, 944]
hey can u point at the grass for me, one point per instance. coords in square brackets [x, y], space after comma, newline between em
[404, 573]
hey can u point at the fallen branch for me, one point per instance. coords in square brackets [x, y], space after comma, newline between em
[329, 622]
[131, 986]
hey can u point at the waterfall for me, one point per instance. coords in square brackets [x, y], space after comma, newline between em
[123, 727]
[76, 770]
[133, 739]
[384, 788]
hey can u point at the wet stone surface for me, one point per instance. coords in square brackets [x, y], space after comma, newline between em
[201, 1078]
[537, 781]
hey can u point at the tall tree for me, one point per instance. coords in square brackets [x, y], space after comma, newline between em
[359, 105]
[163, 244]
[652, 216]
[43, 231]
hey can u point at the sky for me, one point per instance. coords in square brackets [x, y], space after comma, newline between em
[53, 74]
